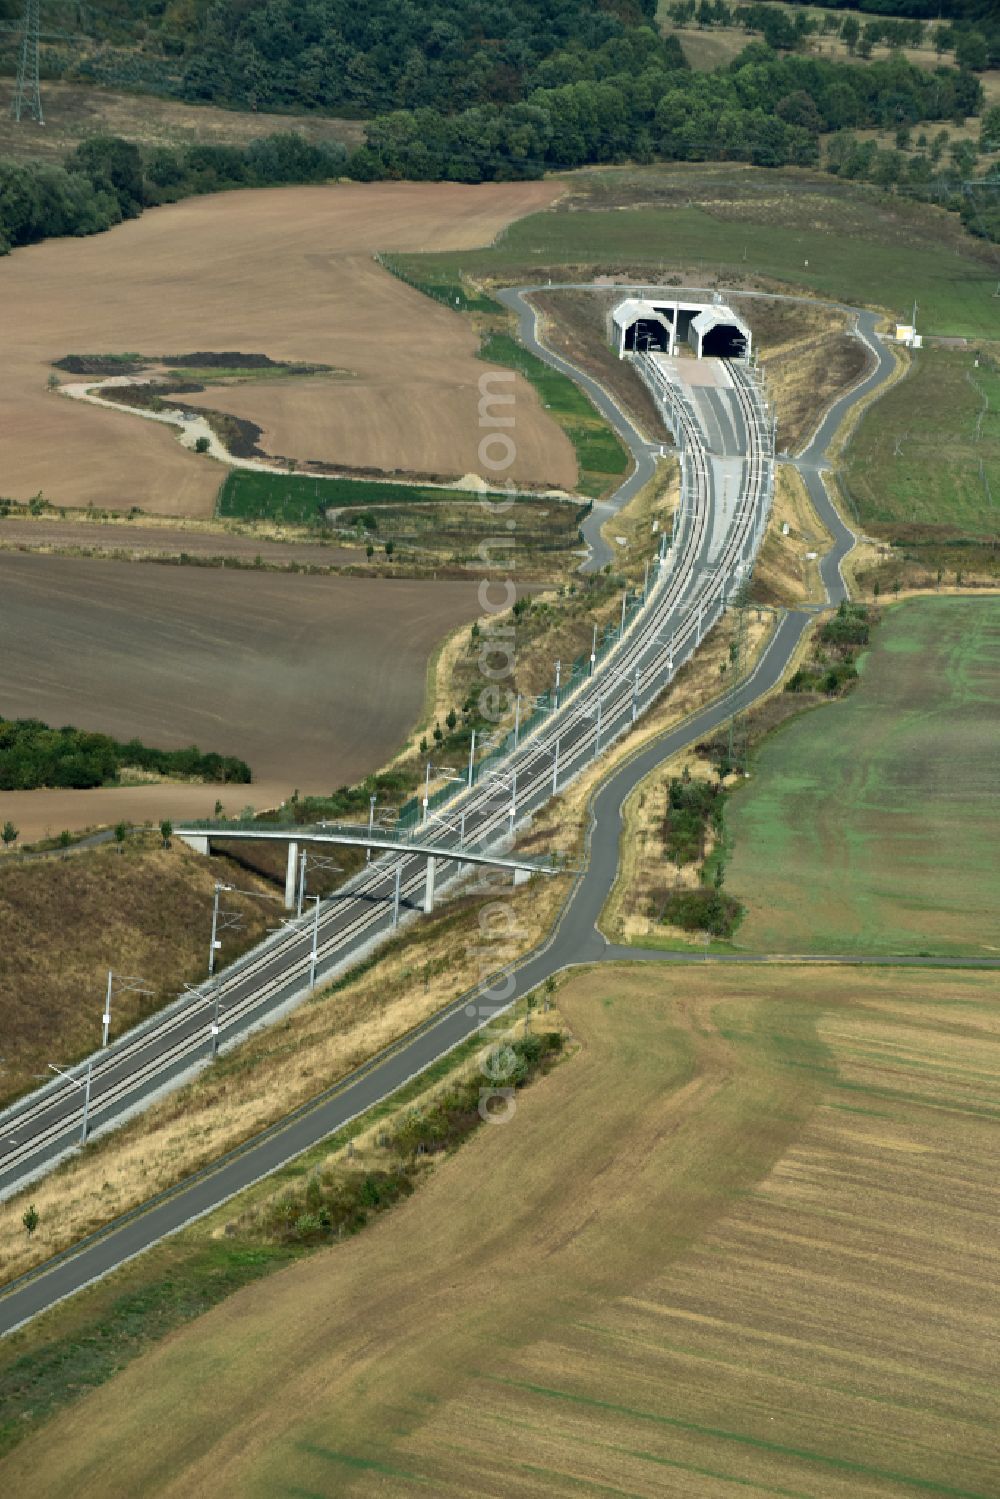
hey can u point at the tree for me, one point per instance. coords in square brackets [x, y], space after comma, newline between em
[989, 129]
[963, 154]
[850, 31]
[369, 551]
[971, 52]
[390, 547]
[121, 833]
[30, 1219]
[166, 831]
[937, 146]
[799, 109]
[202, 445]
[113, 166]
[9, 833]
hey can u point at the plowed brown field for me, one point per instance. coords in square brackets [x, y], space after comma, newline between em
[313, 680]
[286, 272]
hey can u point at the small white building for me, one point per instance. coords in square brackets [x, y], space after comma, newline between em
[907, 334]
[712, 329]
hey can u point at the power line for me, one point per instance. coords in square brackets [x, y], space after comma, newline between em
[27, 94]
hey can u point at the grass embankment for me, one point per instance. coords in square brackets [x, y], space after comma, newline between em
[602, 460]
[751, 227]
[574, 323]
[145, 912]
[787, 568]
[870, 826]
[923, 472]
[635, 532]
[695, 1207]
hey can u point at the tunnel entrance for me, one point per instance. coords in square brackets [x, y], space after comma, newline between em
[724, 341]
[647, 334]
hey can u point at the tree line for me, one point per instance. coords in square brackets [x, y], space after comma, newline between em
[32, 754]
[765, 108]
[107, 179]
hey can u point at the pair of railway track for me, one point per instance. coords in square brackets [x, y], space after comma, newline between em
[688, 596]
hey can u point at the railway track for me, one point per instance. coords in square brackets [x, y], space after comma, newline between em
[709, 554]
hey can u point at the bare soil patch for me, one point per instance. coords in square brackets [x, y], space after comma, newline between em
[287, 272]
[46, 813]
[313, 680]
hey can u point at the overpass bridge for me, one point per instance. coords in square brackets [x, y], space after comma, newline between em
[201, 835]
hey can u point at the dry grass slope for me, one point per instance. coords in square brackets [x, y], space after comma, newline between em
[73, 112]
[65, 922]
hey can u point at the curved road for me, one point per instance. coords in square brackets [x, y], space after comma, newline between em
[574, 940]
[811, 461]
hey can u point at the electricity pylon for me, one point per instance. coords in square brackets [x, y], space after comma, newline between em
[27, 94]
[27, 91]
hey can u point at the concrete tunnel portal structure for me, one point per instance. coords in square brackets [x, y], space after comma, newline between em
[660, 324]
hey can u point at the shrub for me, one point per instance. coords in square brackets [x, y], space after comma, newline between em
[692, 807]
[705, 909]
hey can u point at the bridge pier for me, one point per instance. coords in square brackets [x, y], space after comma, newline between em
[291, 874]
[198, 841]
[429, 887]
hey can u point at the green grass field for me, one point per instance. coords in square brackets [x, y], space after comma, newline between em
[601, 458]
[298, 499]
[870, 825]
[803, 229]
[917, 453]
